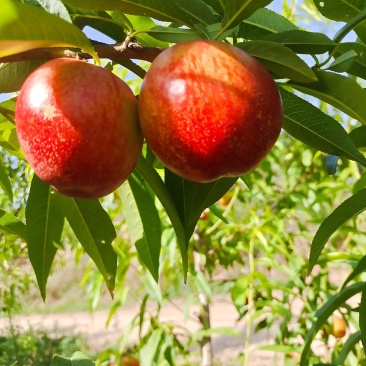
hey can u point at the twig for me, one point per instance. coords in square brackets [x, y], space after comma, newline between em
[103, 51]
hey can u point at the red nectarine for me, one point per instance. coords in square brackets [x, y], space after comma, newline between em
[209, 110]
[77, 124]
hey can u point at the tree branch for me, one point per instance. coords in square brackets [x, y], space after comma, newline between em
[103, 51]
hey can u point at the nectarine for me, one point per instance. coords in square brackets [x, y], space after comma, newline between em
[77, 124]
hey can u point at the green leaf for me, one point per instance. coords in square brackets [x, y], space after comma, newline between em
[55, 7]
[303, 42]
[143, 222]
[280, 60]
[360, 268]
[174, 35]
[79, 359]
[95, 232]
[263, 23]
[358, 136]
[362, 319]
[344, 62]
[351, 207]
[192, 198]
[358, 68]
[340, 10]
[214, 31]
[237, 10]
[218, 213]
[153, 179]
[149, 350]
[157, 9]
[99, 20]
[203, 285]
[24, 27]
[130, 65]
[360, 183]
[313, 127]
[8, 137]
[5, 182]
[13, 74]
[340, 91]
[217, 5]
[348, 347]
[198, 11]
[10, 224]
[322, 315]
[141, 24]
[61, 361]
[44, 224]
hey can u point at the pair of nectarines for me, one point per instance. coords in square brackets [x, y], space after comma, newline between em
[206, 109]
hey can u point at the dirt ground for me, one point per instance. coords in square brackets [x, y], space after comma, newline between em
[223, 314]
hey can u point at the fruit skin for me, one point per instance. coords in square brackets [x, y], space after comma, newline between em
[208, 110]
[77, 124]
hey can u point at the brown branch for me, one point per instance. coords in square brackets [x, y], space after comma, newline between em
[103, 51]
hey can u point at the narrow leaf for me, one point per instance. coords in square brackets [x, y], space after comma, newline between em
[79, 359]
[13, 74]
[324, 313]
[5, 183]
[55, 7]
[218, 213]
[362, 319]
[8, 136]
[141, 25]
[217, 5]
[340, 10]
[263, 23]
[95, 231]
[360, 268]
[351, 207]
[174, 35]
[348, 347]
[152, 177]
[143, 222]
[156, 9]
[99, 20]
[303, 42]
[340, 91]
[10, 224]
[149, 350]
[61, 361]
[203, 286]
[198, 11]
[280, 60]
[344, 62]
[44, 224]
[308, 124]
[24, 27]
[358, 67]
[192, 198]
[358, 136]
[238, 10]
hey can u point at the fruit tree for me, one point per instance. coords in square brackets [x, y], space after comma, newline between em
[220, 82]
